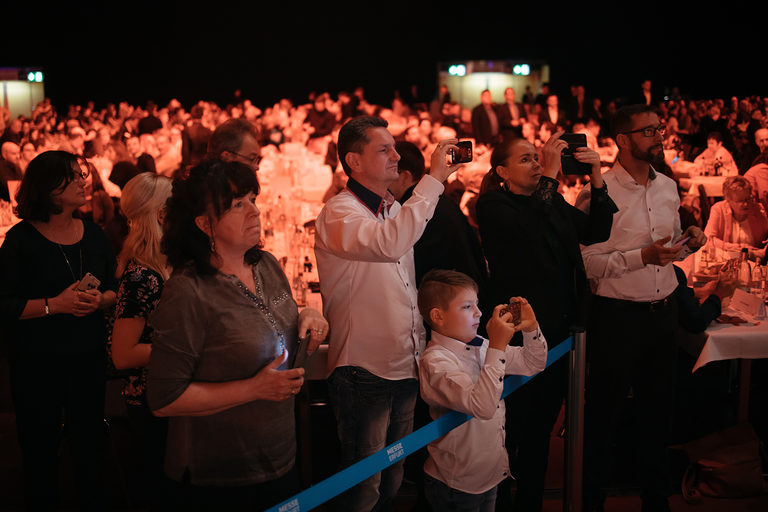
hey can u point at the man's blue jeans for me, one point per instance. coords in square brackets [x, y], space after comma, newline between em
[371, 413]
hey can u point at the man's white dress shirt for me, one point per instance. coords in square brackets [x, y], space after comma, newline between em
[367, 280]
[646, 213]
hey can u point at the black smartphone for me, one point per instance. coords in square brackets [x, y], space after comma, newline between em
[299, 356]
[567, 160]
[463, 152]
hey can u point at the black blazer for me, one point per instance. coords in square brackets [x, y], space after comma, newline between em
[481, 125]
[505, 116]
[531, 244]
[692, 316]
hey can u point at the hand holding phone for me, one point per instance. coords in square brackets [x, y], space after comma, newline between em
[569, 163]
[513, 308]
[88, 282]
[463, 152]
[680, 242]
[299, 356]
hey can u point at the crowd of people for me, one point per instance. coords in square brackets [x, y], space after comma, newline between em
[159, 206]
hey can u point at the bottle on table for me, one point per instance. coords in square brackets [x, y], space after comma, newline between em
[745, 270]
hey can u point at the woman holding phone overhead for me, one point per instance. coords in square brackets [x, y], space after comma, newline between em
[223, 330]
[57, 334]
[531, 236]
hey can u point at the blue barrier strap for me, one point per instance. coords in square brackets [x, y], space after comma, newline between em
[352, 475]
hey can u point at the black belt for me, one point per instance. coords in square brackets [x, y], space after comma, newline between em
[655, 305]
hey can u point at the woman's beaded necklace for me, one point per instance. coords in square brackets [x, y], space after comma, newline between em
[258, 300]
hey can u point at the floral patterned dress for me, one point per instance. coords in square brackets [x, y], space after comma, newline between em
[137, 297]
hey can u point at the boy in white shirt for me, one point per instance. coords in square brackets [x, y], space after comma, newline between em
[464, 372]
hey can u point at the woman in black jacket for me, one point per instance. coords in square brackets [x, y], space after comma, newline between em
[530, 236]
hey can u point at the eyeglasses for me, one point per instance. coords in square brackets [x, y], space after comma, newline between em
[649, 131]
[86, 168]
[252, 159]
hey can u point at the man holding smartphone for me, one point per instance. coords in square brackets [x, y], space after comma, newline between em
[633, 323]
[364, 249]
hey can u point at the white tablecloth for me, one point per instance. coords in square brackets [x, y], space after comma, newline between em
[728, 341]
[713, 185]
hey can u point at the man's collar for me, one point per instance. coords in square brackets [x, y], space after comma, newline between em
[370, 199]
[625, 178]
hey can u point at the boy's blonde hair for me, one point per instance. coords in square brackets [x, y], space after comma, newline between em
[438, 288]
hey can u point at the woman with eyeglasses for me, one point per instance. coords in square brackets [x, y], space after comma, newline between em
[56, 332]
[739, 221]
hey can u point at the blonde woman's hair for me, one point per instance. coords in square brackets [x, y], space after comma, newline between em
[141, 200]
[734, 184]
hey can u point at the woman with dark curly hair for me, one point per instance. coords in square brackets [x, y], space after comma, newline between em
[223, 328]
[56, 334]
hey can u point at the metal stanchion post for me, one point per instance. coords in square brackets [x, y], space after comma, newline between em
[574, 450]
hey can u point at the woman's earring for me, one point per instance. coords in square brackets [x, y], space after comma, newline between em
[212, 237]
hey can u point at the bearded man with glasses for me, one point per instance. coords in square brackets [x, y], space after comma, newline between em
[633, 321]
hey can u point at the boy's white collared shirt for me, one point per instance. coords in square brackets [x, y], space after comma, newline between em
[468, 378]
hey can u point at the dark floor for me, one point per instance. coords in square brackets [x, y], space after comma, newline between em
[121, 475]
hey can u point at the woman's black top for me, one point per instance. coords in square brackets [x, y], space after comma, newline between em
[532, 247]
[33, 267]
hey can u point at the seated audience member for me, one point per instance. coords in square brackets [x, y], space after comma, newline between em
[463, 372]
[338, 183]
[697, 307]
[28, 152]
[738, 221]
[757, 175]
[320, 121]
[545, 131]
[716, 160]
[13, 131]
[9, 167]
[236, 140]
[194, 138]
[144, 161]
[122, 172]
[168, 157]
[698, 410]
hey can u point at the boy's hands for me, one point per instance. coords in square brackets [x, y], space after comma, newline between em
[501, 328]
[528, 321]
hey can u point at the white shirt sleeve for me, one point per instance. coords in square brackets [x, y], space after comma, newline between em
[348, 232]
[529, 359]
